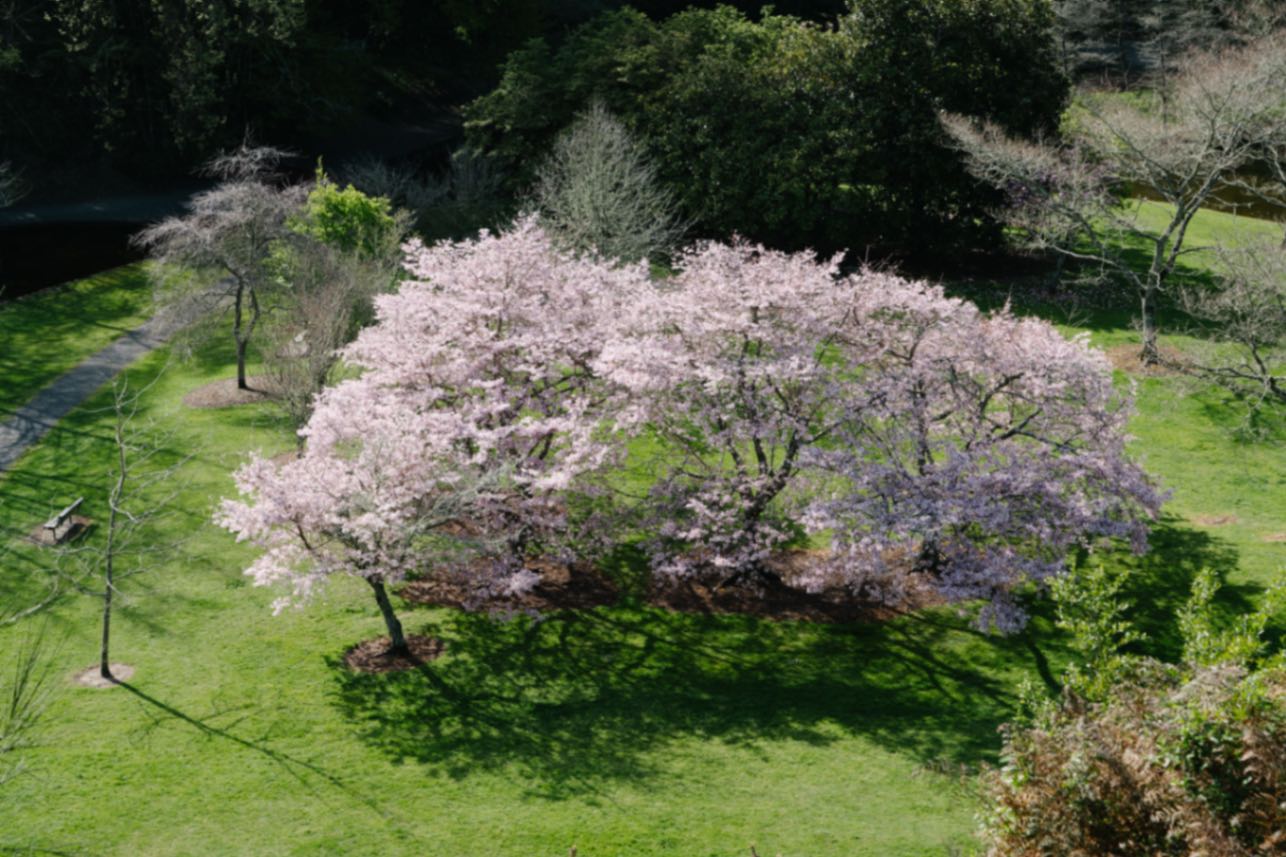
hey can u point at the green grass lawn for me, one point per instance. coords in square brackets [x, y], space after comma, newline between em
[47, 333]
[622, 731]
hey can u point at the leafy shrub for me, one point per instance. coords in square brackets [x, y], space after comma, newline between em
[1172, 764]
[1142, 757]
[348, 219]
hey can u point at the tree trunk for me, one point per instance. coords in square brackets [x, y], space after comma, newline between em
[240, 340]
[109, 555]
[397, 640]
[1150, 355]
[104, 660]
[241, 365]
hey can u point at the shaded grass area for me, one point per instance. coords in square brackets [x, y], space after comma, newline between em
[623, 730]
[47, 333]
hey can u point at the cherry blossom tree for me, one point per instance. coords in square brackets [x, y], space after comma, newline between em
[477, 406]
[983, 449]
[925, 438]
[727, 365]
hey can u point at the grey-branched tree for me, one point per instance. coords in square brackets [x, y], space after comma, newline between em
[1186, 145]
[231, 230]
[599, 191]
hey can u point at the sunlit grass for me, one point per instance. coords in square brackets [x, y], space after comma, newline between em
[47, 333]
[622, 731]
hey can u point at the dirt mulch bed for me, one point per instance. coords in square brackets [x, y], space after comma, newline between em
[224, 393]
[285, 457]
[92, 677]
[372, 656]
[774, 601]
[782, 601]
[45, 537]
[1126, 358]
[581, 586]
[562, 587]
[1214, 520]
[1276, 538]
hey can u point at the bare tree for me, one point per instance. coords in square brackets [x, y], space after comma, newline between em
[1249, 313]
[599, 192]
[232, 230]
[25, 690]
[454, 203]
[330, 299]
[1185, 146]
[136, 498]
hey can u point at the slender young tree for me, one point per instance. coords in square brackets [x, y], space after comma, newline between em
[25, 691]
[139, 492]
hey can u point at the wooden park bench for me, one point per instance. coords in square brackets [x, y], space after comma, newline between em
[63, 526]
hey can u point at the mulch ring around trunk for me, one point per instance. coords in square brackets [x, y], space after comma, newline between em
[582, 586]
[1125, 357]
[225, 393]
[93, 676]
[373, 656]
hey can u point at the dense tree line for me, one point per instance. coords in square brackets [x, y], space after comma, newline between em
[1123, 40]
[152, 87]
[790, 132]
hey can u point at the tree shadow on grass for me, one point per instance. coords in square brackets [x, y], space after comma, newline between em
[1159, 583]
[307, 772]
[577, 700]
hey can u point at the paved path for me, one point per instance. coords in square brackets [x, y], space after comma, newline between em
[31, 422]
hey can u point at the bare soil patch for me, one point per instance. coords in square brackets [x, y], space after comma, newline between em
[373, 656]
[581, 586]
[1126, 358]
[1275, 537]
[561, 587]
[1214, 520]
[224, 393]
[92, 677]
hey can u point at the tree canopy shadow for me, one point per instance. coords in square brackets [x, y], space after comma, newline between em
[577, 699]
[1159, 583]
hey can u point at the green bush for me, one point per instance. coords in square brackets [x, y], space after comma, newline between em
[1144, 757]
[789, 132]
[348, 219]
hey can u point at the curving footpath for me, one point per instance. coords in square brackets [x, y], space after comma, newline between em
[28, 424]
[31, 422]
